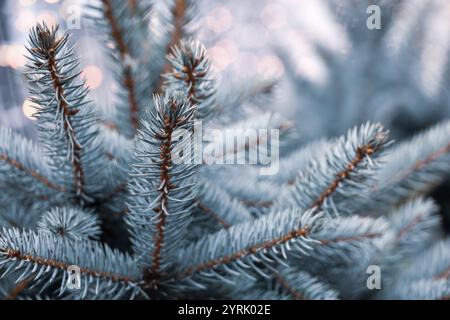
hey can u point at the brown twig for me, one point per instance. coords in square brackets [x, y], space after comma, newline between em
[190, 76]
[214, 215]
[409, 227]
[16, 254]
[419, 165]
[124, 54]
[166, 186]
[18, 289]
[285, 285]
[361, 153]
[443, 275]
[432, 157]
[257, 203]
[19, 166]
[178, 14]
[369, 235]
[302, 232]
[133, 6]
[49, 52]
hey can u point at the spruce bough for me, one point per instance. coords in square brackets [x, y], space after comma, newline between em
[103, 192]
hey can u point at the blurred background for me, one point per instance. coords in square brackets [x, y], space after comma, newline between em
[334, 72]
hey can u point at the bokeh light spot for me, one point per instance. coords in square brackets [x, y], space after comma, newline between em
[29, 108]
[27, 3]
[271, 66]
[219, 19]
[93, 76]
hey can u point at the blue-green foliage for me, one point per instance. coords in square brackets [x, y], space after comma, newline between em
[191, 76]
[70, 223]
[161, 191]
[124, 200]
[66, 123]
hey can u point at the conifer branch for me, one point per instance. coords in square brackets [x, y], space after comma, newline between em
[266, 245]
[25, 159]
[431, 264]
[219, 232]
[421, 163]
[20, 214]
[161, 194]
[236, 94]
[190, 75]
[37, 176]
[12, 254]
[300, 235]
[179, 16]
[413, 167]
[214, 215]
[216, 202]
[296, 229]
[361, 153]
[45, 256]
[426, 277]
[302, 286]
[287, 287]
[47, 47]
[52, 79]
[341, 173]
[179, 22]
[70, 223]
[125, 57]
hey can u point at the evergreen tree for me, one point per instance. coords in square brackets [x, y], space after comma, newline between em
[121, 197]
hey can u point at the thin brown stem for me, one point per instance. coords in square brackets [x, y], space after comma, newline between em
[419, 165]
[19, 166]
[370, 235]
[54, 71]
[178, 14]
[302, 232]
[133, 6]
[166, 186]
[256, 203]
[214, 215]
[403, 231]
[285, 285]
[190, 77]
[361, 154]
[17, 255]
[443, 275]
[124, 54]
[18, 289]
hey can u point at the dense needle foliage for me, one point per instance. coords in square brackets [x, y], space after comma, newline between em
[104, 192]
